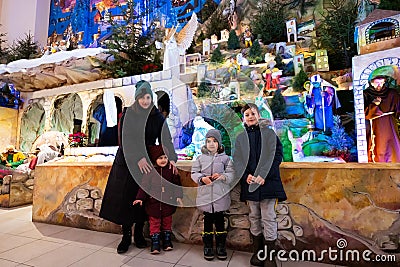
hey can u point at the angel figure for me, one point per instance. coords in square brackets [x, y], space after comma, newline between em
[177, 45]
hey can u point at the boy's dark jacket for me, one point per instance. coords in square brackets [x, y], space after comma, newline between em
[258, 151]
[151, 191]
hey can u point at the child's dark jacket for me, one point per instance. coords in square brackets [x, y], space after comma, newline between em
[159, 189]
[258, 151]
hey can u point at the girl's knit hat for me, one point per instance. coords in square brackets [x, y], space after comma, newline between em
[157, 151]
[216, 134]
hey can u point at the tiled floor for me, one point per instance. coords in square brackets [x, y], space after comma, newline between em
[24, 243]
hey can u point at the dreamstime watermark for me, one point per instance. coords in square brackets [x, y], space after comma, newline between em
[338, 253]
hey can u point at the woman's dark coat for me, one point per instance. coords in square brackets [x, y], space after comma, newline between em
[258, 151]
[159, 191]
[140, 128]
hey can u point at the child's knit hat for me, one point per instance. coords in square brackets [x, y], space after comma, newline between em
[157, 151]
[216, 134]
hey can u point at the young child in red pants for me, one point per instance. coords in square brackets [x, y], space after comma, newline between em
[160, 192]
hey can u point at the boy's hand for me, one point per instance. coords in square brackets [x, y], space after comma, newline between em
[206, 180]
[250, 179]
[259, 180]
[173, 166]
[138, 201]
[179, 202]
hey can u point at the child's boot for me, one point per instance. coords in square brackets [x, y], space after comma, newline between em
[167, 243]
[258, 245]
[220, 239]
[208, 240]
[270, 260]
[155, 244]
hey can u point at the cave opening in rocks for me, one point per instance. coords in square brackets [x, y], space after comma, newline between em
[163, 103]
[67, 114]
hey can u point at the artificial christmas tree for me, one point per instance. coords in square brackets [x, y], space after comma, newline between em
[255, 53]
[132, 48]
[233, 40]
[217, 56]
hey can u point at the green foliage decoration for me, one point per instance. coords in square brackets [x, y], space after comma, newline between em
[389, 5]
[269, 22]
[203, 90]
[233, 40]
[217, 56]
[336, 33]
[23, 48]
[255, 53]
[221, 117]
[133, 49]
[278, 105]
[216, 23]
[3, 49]
[299, 81]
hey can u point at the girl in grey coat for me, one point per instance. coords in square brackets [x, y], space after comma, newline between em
[213, 171]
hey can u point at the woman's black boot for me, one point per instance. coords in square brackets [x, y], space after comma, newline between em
[126, 241]
[138, 237]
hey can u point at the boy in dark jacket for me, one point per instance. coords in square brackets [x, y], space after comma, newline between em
[160, 191]
[258, 154]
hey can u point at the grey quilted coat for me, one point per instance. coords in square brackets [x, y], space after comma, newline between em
[214, 197]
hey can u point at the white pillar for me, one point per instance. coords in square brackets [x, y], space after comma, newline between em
[19, 17]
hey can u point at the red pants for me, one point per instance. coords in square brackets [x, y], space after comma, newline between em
[160, 224]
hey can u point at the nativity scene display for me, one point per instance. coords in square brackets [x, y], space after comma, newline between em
[301, 88]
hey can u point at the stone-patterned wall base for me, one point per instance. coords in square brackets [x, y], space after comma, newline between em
[17, 189]
[327, 203]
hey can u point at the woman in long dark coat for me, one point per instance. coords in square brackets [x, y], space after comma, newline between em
[141, 124]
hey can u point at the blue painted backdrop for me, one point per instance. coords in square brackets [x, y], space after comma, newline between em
[69, 17]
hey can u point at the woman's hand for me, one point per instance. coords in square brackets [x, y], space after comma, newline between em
[144, 166]
[138, 201]
[172, 165]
